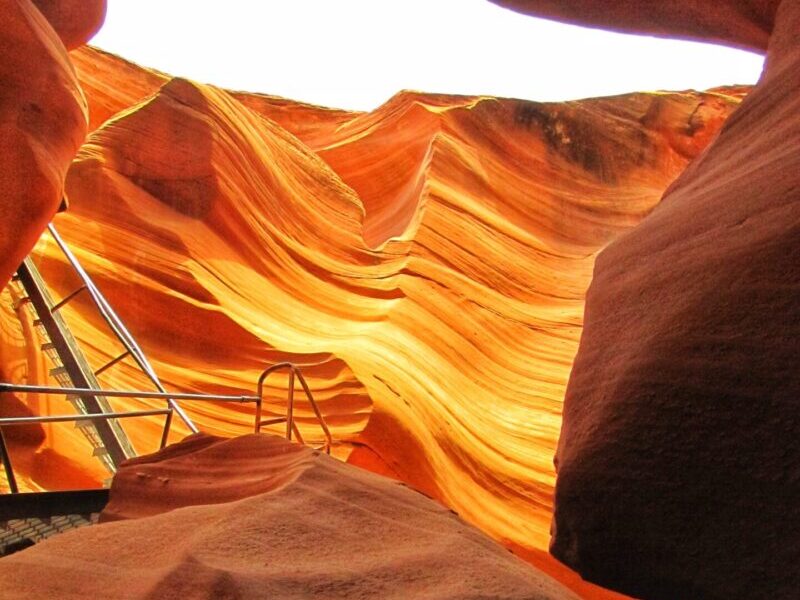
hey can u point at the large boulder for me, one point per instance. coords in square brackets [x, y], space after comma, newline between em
[42, 116]
[679, 457]
[742, 23]
[75, 21]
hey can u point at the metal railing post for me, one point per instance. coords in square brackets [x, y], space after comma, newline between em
[320, 418]
[6, 458]
[291, 425]
[117, 326]
[165, 435]
[259, 394]
[290, 406]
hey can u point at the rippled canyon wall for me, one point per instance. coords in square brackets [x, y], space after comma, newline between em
[428, 261]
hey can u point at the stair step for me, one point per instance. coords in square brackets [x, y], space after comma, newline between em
[99, 451]
[48, 346]
[58, 371]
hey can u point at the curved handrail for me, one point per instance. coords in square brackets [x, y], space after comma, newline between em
[291, 426]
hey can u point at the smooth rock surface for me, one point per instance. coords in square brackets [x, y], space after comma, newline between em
[75, 21]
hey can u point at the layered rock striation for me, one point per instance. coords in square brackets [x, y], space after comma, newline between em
[426, 262]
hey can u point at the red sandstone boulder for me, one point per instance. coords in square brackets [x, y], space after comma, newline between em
[75, 21]
[679, 457]
[42, 116]
[744, 23]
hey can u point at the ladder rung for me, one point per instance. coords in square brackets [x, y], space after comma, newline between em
[273, 421]
[112, 362]
[67, 298]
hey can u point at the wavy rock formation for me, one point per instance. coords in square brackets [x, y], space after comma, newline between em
[679, 460]
[427, 261]
[256, 517]
[42, 117]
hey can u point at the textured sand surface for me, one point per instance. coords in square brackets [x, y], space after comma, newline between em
[256, 517]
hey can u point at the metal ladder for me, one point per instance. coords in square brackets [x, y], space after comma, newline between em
[78, 382]
[71, 369]
[109, 442]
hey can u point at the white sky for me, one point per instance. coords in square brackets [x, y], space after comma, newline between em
[357, 53]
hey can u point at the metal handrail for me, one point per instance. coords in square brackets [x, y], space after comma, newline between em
[257, 399]
[92, 417]
[118, 327]
[41, 389]
[290, 424]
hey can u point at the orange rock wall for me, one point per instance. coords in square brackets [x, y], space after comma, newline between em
[427, 261]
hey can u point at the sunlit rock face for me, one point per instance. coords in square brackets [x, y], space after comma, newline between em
[263, 518]
[743, 23]
[679, 461]
[427, 261]
[42, 116]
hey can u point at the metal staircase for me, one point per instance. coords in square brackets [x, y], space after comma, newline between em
[109, 442]
[71, 369]
[78, 382]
